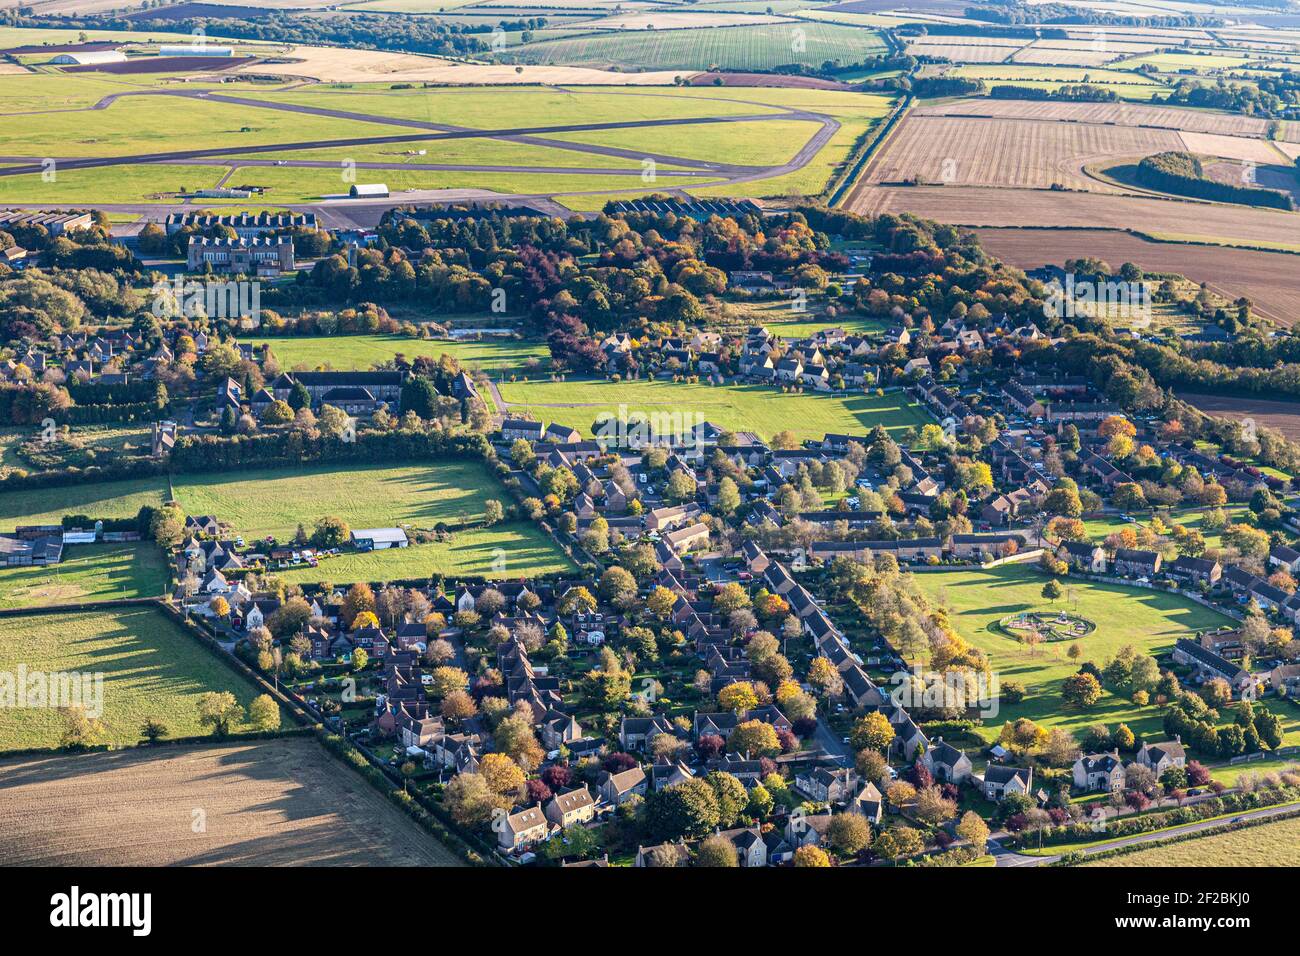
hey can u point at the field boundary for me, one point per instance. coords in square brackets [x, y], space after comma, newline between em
[1077, 857]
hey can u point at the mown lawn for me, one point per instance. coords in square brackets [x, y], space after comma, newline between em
[755, 408]
[365, 351]
[108, 499]
[1150, 620]
[509, 551]
[149, 667]
[1268, 844]
[88, 572]
[275, 501]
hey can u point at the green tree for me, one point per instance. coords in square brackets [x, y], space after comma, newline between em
[264, 713]
[219, 710]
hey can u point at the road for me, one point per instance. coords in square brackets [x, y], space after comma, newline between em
[1005, 857]
[425, 131]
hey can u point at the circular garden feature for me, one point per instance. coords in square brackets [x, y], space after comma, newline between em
[1046, 626]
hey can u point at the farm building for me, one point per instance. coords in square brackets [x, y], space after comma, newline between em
[88, 58]
[378, 539]
[369, 190]
[196, 49]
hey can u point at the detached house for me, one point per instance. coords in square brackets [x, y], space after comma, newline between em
[523, 828]
[617, 788]
[1159, 757]
[1093, 772]
[1000, 780]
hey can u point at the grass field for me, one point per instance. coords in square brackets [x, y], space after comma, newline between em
[150, 669]
[275, 501]
[736, 407]
[109, 499]
[365, 351]
[1149, 620]
[88, 572]
[1268, 844]
[508, 551]
[281, 802]
[737, 48]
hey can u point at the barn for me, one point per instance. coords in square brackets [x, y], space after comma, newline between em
[369, 191]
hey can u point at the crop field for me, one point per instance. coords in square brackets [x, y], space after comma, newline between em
[1121, 114]
[1014, 73]
[1170, 220]
[340, 65]
[88, 572]
[282, 802]
[149, 666]
[109, 499]
[1149, 620]
[275, 501]
[510, 551]
[977, 152]
[736, 407]
[1266, 844]
[365, 351]
[1268, 278]
[1282, 415]
[981, 51]
[739, 48]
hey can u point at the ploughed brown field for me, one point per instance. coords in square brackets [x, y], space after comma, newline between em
[1172, 219]
[969, 151]
[281, 802]
[1268, 279]
[1284, 416]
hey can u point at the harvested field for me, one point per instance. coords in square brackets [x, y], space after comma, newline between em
[1064, 57]
[283, 802]
[1284, 416]
[54, 48]
[1166, 219]
[185, 11]
[1267, 844]
[1121, 114]
[672, 20]
[978, 152]
[1233, 147]
[769, 79]
[986, 51]
[1292, 150]
[164, 64]
[1267, 278]
[373, 66]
